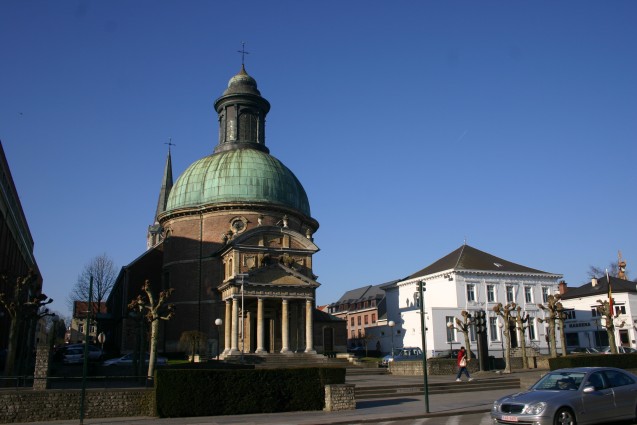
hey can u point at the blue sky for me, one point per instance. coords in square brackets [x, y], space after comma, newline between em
[412, 125]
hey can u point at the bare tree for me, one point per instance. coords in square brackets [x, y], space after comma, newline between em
[24, 305]
[189, 341]
[603, 307]
[555, 312]
[151, 307]
[505, 314]
[521, 321]
[464, 326]
[600, 272]
[104, 274]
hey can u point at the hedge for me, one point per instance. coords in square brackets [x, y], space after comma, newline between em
[622, 361]
[183, 392]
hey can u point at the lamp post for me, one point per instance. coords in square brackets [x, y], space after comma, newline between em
[423, 332]
[218, 323]
[451, 341]
[242, 276]
[501, 325]
[391, 325]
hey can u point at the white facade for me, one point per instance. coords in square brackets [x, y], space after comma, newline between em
[450, 292]
[584, 327]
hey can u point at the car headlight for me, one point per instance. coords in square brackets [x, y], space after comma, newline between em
[496, 406]
[534, 409]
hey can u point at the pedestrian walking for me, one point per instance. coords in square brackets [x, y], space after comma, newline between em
[462, 365]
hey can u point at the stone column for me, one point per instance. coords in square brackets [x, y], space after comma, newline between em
[41, 372]
[227, 328]
[309, 328]
[260, 348]
[285, 328]
[235, 327]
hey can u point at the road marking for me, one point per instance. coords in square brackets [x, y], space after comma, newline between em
[453, 420]
[486, 419]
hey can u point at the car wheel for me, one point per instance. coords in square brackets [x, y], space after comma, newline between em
[564, 416]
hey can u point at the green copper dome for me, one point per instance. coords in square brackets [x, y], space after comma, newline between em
[238, 175]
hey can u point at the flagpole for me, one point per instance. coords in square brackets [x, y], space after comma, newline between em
[610, 296]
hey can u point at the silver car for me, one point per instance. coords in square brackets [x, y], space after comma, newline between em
[583, 395]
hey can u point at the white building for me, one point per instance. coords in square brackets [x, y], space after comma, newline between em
[584, 326]
[467, 279]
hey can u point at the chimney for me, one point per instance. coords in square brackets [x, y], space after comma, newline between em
[594, 282]
[562, 287]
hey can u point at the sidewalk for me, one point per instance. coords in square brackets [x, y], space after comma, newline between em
[366, 410]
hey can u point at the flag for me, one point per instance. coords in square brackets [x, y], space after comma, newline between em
[610, 296]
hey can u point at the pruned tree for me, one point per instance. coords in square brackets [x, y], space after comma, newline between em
[505, 314]
[521, 324]
[153, 309]
[104, 273]
[189, 341]
[24, 304]
[604, 308]
[554, 311]
[464, 326]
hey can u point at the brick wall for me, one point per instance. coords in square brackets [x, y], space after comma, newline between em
[52, 405]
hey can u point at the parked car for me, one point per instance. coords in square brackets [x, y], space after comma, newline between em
[389, 357]
[94, 353]
[400, 354]
[73, 355]
[127, 360]
[620, 350]
[584, 350]
[583, 395]
[358, 351]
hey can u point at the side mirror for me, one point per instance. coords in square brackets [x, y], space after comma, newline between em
[588, 389]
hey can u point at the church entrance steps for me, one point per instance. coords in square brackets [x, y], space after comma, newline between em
[393, 391]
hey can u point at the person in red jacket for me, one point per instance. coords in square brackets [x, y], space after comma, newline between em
[462, 365]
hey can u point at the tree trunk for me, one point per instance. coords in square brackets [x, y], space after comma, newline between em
[154, 336]
[11, 348]
[552, 337]
[563, 337]
[467, 344]
[507, 340]
[525, 359]
[610, 330]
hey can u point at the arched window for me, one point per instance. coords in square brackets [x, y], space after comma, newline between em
[247, 127]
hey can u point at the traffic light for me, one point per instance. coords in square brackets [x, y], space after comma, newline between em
[480, 321]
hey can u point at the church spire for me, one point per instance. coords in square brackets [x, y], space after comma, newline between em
[166, 183]
[155, 231]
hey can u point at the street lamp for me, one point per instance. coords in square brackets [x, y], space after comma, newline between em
[391, 325]
[218, 323]
[451, 341]
[242, 276]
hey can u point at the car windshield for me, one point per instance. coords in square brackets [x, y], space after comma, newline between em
[562, 381]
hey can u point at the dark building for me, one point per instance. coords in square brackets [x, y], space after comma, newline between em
[16, 256]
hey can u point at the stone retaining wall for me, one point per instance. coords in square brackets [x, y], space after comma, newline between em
[449, 366]
[52, 405]
[340, 397]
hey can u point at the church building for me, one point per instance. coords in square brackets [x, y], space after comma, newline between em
[233, 236]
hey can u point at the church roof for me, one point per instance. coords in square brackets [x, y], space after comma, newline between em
[238, 175]
[601, 288]
[469, 258]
